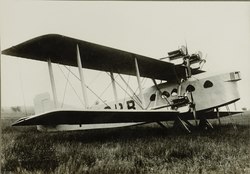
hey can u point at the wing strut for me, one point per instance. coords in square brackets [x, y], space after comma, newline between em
[52, 81]
[79, 63]
[114, 88]
[139, 83]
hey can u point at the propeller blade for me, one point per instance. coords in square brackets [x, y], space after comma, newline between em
[200, 54]
[188, 67]
[193, 109]
[186, 48]
[195, 116]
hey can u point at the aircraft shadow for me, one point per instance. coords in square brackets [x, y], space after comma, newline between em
[135, 133]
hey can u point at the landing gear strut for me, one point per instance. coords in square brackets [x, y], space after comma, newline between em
[183, 124]
[205, 124]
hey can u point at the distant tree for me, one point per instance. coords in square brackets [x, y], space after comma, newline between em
[244, 108]
[16, 109]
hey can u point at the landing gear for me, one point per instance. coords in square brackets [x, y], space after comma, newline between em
[185, 125]
[205, 124]
[218, 115]
[192, 107]
[161, 124]
[200, 123]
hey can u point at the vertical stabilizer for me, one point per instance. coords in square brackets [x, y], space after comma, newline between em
[43, 103]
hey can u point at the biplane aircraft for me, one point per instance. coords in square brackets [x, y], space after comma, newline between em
[181, 98]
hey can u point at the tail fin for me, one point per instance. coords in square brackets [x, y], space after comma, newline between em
[43, 103]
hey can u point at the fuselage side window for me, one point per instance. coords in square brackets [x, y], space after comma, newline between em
[190, 88]
[165, 94]
[152, 97]
[208, 84]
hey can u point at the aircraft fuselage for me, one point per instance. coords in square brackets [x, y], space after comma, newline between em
[207, 93]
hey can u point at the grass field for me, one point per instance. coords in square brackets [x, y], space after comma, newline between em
[142, 149]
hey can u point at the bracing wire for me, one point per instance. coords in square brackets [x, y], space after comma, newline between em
[143, 83]
[138, 103]
[66, 85]
[133, 92]
[97, 76]
[71, 86]
[125, 94]
[104, 90]
[87, 87]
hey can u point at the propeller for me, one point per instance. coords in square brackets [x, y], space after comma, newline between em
[187, 61]
[194, 109]
[190, 89]
[176, 54]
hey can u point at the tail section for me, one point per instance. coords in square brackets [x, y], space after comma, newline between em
[43, 103]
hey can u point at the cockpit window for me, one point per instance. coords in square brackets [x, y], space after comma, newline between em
[208, 84]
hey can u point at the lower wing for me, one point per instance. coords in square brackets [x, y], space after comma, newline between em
[96, 117]
[73, 117]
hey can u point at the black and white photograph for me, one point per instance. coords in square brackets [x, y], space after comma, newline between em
[125, 87]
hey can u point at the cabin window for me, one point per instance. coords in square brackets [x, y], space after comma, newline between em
[208, 84]
[174, 92]
[190, 88]
[152, 97]
[165, 94]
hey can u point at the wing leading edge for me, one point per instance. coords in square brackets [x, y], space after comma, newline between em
[61, 49]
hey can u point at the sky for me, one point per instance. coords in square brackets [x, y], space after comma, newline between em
[220, 30]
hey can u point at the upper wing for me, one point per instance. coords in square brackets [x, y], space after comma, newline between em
[62, 49]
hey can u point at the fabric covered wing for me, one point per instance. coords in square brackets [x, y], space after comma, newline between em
[110, 116]
[96, 117]
[61, 49]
